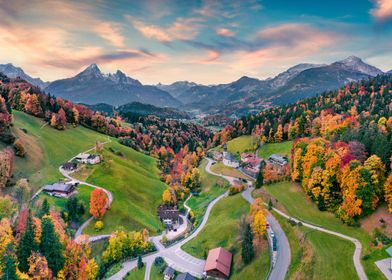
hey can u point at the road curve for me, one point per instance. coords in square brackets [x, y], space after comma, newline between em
[67, 175]
[279, 270]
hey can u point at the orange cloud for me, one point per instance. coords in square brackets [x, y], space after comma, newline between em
[383, 9]
[224, 32]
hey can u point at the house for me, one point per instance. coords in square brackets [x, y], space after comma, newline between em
[185, 276]
[278, 160]
[216, 155]
[88, 158]
[245, 157]
[218, 263]
[229, 159]
[169, 214]
[60, 189]
[168, 273]
[389, 252]
[69, 166]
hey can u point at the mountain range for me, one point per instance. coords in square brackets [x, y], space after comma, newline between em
[242, 96]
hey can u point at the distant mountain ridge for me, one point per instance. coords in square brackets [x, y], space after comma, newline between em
[298, 82]
[91, 86]
[13, 72]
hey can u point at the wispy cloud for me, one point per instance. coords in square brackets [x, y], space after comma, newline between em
[180, 29]
[225, 32]
[382, 10]
[110, 32]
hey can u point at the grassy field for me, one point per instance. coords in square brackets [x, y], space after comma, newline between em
[136, 274]
[245, 143]
[211, 188]
[220, 168]
[133, 179]
[48, 148]
[296, 203]
[222, 229]
[268, 149]
[154, 274]
[83, 193]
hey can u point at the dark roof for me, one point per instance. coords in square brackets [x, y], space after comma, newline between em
[169, 271]
[278, 158]
[185, 276]
[92, 156]
[168, 212]
[59, 187]
[69, 165]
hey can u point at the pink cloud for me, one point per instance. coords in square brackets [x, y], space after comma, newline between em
[110, 32]
[180, 29]
[383, 10]
[225, 32]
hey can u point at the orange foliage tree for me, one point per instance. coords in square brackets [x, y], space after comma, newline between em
[98, 203]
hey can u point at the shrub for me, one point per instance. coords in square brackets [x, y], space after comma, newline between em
[19, 149]
[236, 189]
[98, 225]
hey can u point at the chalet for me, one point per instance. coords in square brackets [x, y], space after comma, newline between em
[185, 276]
[60, 189]
[218, 263]
[278, 160]
[229, 160]
[245, 157]
[216, 155]
[168, 214]
[69, 166]
[168, 273]
[88, 158]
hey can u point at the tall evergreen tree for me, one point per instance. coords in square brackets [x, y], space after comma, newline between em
[9, 262]
[51, 247]
[247, 252]
[27, 244]
[259, 179]
[45, 208]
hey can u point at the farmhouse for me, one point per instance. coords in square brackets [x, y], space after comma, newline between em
[278, 160]
[216, 155]
[229, 159]
[218, 263]
[168, 214]
[88, 158]
[60, 189]
[69, 166]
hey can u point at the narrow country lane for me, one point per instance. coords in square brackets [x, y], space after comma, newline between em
[279, 270]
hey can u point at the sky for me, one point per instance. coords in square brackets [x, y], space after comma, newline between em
[207, 42]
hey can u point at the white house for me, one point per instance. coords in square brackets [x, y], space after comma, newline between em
[229, 159]
[88, 158]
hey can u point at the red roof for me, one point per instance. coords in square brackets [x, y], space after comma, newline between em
[219, 259]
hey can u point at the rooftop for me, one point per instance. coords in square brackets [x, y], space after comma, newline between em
[60, 187]
[185, 276]
[219, 259]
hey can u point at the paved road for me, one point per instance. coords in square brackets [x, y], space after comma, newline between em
[283, 256]
[67, 174]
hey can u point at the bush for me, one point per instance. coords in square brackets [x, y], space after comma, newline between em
[19, 149]
[98, 225]
[236, 189]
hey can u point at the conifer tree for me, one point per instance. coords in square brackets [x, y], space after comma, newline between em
[27, 245]
[260, 179]
[9, 262]
[247, 252]
[51, 247]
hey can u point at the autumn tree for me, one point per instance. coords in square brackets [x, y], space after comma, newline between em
[388, 192]
[19, 149]
[6, 166]
[38, 267]
[98, 203]
[7, 207]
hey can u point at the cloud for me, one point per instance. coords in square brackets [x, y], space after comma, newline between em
[181, 29]
[382, 10]
[111, 32]
[225, 32]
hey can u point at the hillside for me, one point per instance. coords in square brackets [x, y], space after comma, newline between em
[132, 177]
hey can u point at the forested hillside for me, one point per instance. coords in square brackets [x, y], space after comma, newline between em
[343, 161]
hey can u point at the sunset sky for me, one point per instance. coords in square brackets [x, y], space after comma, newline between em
[201, 41]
